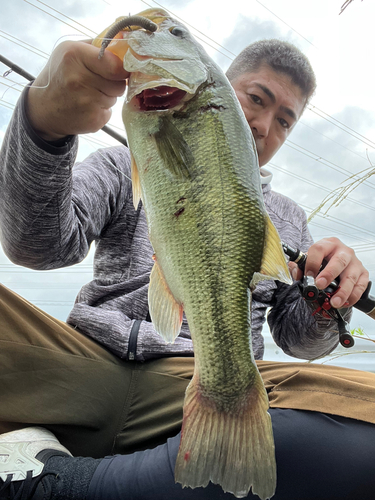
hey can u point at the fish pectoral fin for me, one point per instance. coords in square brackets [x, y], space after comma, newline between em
[165, 311]
[173, 149]
[274, 265]
[234, 449]
[136, 183]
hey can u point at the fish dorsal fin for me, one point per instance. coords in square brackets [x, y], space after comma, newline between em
[173, 149]
[136, 183]
[165, 311]
[274, 264]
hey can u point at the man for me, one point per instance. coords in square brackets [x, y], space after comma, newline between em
[108, 383]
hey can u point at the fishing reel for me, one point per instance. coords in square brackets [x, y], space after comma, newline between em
[321, 298]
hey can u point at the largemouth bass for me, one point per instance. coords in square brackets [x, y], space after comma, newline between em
[195, 169]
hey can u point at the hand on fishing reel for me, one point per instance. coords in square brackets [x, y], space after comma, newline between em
[322, 298]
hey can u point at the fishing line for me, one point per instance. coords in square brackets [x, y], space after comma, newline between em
[113, 165]
[123, 140]
[48, 65]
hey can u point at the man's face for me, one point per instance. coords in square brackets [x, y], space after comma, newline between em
[272, 105]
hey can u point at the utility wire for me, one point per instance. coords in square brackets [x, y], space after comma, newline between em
[216, 43]
[315, 184]
[364, 139]
[191, 26]
[67, 17]
[338, 231]
[269, 10]
[23, 44]
[309, 107]
[49, 14]
[325, 162]
[338, 221]
[301, 122]
[5, 106]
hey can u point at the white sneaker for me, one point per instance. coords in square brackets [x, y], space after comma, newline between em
[23, 454]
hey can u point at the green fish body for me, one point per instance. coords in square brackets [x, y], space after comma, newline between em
[196, 171]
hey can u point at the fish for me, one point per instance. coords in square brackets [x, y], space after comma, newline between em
[195, 169]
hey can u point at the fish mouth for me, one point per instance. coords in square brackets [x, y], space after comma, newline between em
[160, 98]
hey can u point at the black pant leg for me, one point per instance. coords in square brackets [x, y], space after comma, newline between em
[319, 457]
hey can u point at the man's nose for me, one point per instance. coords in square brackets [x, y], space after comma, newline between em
[260, 125]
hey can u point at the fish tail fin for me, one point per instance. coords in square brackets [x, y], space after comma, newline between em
[234, 449]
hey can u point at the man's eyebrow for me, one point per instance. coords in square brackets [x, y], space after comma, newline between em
[271, 95]
[289, 112]
[267, 91]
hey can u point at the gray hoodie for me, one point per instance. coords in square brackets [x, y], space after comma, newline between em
[52, 209]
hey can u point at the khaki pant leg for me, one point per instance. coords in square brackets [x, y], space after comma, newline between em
[153, 410]
[53, 376]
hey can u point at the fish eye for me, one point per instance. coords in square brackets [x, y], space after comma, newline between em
[177, 31]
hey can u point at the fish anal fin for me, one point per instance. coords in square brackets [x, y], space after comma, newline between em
[274, 265]
[165, 311]
[136, 183]
[234, 450]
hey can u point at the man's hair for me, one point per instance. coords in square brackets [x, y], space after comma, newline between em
[282, 57]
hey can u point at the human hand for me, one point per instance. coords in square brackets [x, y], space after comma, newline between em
[340, 261]
[75, 92]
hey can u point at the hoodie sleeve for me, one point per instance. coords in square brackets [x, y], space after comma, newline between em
[50, 212]
[295, 325]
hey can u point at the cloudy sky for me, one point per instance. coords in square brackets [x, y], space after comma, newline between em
[334, 139]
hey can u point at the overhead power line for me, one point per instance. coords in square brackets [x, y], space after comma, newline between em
[325, 162]
[24, 45]
[279, 18]
[216, 43]
[358, 136]
[338, 221]
[301, 122]
[194, 28]
[67, 17]
[315, 184]
[49, 14]
[338, 232]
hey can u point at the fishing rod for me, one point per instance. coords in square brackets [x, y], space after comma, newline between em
[311, 293]
[20, 71]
